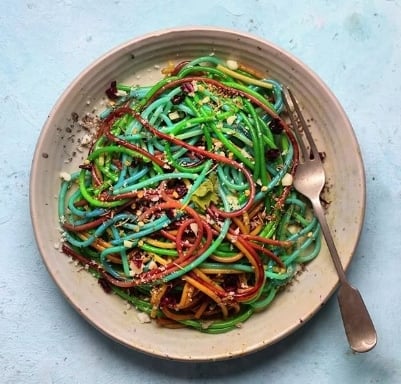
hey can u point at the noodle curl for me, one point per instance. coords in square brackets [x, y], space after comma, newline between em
[183, 206]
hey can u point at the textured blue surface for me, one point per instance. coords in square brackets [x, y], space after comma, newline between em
[355, 48]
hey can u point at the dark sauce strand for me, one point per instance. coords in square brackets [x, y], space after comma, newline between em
[184, 205]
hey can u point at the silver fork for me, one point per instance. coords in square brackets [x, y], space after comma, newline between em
[309, 180]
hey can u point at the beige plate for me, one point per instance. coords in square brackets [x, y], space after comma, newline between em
[139, 61]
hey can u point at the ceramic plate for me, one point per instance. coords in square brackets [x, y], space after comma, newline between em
[139, 62]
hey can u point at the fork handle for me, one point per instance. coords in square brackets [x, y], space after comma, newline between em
[358, 325]
[319, 213]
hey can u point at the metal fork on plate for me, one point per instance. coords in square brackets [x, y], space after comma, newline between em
[309, 180]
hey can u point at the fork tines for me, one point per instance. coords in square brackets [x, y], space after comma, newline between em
[300, 125]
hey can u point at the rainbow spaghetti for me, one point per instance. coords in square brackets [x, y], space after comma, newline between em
[184, 205]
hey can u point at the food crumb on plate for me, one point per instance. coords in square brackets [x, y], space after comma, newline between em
[143, 317]
[65, 176]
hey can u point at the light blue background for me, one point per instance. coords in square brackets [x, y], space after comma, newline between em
[354, 46]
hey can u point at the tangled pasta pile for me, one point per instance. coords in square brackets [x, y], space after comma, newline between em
[184, 205]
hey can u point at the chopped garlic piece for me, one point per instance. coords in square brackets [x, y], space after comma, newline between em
[286, 181]
[194, 228]
[231, 119]
[174, 115]
[128, 244]
[143, 317]
[65, 176]
[232, 64]
[86, 139]
[152, 265]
